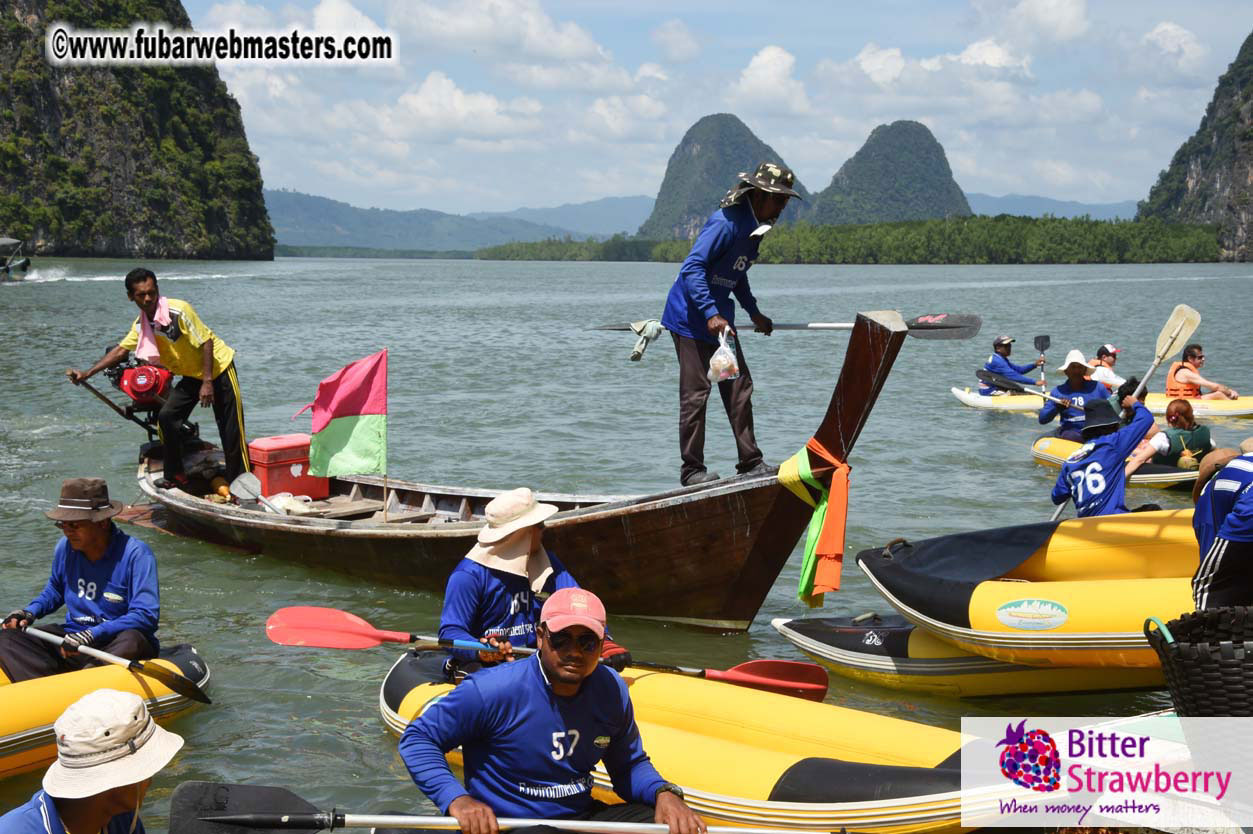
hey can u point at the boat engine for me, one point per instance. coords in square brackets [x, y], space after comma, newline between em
[146, 386]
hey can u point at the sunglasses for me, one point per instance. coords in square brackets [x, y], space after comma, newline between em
[561, 640]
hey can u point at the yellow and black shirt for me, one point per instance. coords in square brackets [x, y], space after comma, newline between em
[181, 341]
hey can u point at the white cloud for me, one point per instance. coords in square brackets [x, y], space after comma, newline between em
[882, 65]
[439, 109]
[241, 15]
[625, 116]
[340, 16]
[576, 75]
[1068, 107]
[1173, 43]
[676, 42]
[989, 53]
[767, 83]
[1053, 20]
[651, 72]
[505, 27]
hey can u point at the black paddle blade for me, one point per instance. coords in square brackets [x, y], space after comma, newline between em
[998, 381]
[1042, 343]
[945, 326]
[176, 682]
[194, 804]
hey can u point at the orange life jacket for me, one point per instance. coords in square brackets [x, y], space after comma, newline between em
[1175, 388]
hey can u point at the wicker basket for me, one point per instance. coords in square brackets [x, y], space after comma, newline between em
[1207, 660]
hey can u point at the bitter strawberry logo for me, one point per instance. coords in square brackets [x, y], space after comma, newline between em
[1030, 758]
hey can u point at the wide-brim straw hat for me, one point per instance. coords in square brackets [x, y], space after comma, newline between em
[1075, 357]
[511, 511]
[84, 499]
[106, 740]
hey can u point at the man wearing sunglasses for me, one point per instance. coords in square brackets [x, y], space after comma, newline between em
[532, 731]
[1184, 378]
[106, 580]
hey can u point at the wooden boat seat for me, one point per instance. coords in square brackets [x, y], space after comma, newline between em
[345, 509]
[404, 516]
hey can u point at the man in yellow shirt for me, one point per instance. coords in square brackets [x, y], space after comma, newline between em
[169, 331]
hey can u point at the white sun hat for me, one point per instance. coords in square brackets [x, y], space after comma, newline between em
[1075, 357]
[106, 740]
[511, 511]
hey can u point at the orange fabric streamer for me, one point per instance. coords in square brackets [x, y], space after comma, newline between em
[830, 548]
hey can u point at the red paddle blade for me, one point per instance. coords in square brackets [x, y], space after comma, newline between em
[327, 628]
[787, 677]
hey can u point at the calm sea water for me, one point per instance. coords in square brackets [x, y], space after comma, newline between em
[496, 381]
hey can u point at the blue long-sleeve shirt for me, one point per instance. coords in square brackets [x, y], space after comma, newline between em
[108, 596]
[715, 268]
[38, 815]
[482, 602]
[529, 752]
[1073, 418]
[1225, 506]
[1094, 474]
[998, 364]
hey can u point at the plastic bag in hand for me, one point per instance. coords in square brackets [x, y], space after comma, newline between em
[723, 365]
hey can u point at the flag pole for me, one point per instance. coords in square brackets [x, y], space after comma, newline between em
[385, 461]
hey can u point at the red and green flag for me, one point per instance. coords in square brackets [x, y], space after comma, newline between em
[350, 420]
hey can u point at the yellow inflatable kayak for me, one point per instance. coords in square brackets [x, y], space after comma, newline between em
[1054, 451]
[1239, 407]
[745, 757]
[1074, 593]
[28, 709]
[890, 651]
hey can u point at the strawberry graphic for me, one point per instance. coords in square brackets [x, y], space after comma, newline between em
[1030, 758]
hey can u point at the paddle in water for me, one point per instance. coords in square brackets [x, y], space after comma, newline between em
[332, 628]
[172, 680]
[929, 326]
[218, 808]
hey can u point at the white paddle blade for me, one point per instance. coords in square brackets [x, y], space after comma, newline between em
[246, 486]
[1179, 328]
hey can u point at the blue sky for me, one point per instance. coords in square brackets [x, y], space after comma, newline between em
[495, 104]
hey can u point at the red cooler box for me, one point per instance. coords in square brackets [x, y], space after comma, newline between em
[281, 463]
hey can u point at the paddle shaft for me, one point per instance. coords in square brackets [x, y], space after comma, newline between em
[1001, 381]
[1187, 320]
[931, 326]
[176, 682]
[338, 819]
[1042, 343]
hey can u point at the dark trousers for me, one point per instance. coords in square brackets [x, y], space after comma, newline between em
[600, 812]
[24, 658]
[1225, 576]
[228, 411]
[737, 395]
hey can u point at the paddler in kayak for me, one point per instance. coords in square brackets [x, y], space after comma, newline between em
[531, 733]
[169, 330]
[107, 581]
[1093, 476]
[1077, 391]
[1182, 443]
[494, 594]
[108, 750]
[1103, 370]
[998, 363]
[1184, 378]
[1223, 523]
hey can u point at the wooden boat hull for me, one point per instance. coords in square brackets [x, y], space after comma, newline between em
[739, 754]
[705, 555]
[891, 652]
[1054, 451]
[1071, 594]
[28, 709]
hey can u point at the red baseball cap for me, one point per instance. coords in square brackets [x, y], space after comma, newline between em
[1107, 350]
[573, 606]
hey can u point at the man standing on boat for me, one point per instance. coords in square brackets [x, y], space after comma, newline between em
[494, 594]
[699, 308]
[1184, 378]
[106, 580]
[169, 330]
[531, 733]
[999, 363]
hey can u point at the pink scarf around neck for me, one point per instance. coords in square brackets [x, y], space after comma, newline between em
[147, 347]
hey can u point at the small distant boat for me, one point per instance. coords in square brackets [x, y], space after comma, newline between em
[1156, 403]
[1054, 451]
[15, 264]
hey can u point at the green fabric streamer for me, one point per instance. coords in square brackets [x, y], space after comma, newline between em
[805, 587]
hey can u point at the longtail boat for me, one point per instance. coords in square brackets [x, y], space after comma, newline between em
[704, 555]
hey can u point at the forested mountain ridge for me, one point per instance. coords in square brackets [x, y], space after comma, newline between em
[1210, 178]
[121, 161]
[702, 169]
